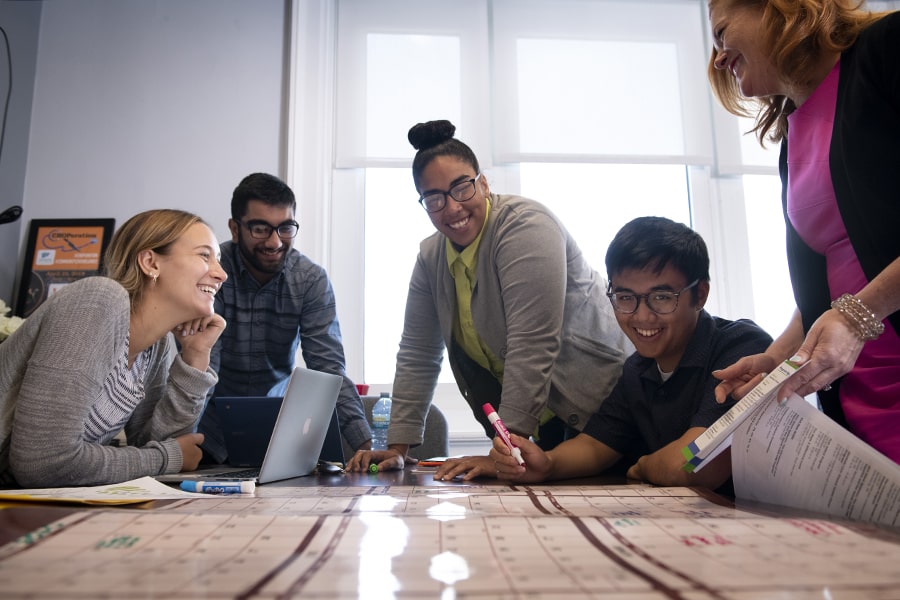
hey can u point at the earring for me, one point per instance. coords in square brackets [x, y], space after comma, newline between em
[155, 276]
[721, 60]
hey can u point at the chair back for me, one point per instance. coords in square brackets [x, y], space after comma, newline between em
[436, 440]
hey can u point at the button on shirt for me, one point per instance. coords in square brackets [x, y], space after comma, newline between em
[265, 325]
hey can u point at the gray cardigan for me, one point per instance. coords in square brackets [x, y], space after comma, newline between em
[537, 305]
[52, 371]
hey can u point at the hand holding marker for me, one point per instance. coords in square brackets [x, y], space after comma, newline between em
[501, 430]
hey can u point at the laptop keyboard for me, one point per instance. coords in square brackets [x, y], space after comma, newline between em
[243, 474]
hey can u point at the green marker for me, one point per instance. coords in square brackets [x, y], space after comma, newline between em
[373, 468]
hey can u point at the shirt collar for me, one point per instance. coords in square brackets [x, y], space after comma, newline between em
[695, 354]
[469, 254]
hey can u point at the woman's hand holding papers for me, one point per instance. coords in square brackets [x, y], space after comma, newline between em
[831, 348]
[742, 376]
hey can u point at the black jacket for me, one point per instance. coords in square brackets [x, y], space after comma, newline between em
[864, 158]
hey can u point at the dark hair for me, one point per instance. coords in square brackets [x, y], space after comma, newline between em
[433, 139]
[263, 187]
[654, 242]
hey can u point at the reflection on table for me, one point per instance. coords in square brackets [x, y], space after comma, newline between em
[402, 534]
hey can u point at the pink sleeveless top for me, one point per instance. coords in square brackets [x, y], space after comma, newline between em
[870, 393]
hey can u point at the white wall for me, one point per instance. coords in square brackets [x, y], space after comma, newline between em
[143, 104]
[20, 21]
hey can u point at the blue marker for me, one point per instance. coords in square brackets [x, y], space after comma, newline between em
[219, 487]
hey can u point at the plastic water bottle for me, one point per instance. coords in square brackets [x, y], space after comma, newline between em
[381, 420]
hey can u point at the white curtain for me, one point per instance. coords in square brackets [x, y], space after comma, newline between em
[525, 80]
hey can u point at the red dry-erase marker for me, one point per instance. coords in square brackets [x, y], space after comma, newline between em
[501, 430]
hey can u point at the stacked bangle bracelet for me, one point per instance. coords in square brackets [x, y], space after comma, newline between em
[863, 320]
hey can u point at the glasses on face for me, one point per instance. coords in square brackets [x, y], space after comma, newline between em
[461, 192]
[262, 230]
[661, 302]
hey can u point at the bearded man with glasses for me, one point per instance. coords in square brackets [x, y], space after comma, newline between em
[658, 285]
[276, 299]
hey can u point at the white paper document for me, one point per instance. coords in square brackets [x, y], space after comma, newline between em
[793, 455]
[127, 492]
[717, 436]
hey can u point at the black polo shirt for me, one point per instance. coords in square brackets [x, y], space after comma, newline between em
[643, 413]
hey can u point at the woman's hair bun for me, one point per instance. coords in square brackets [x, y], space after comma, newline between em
[432, 133]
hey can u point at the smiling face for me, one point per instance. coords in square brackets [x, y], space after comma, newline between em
[264, 258]
[190, 274]
[737, 40]
[461, 222]
[660, 337]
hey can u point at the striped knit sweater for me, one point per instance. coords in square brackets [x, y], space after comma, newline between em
[56, 417]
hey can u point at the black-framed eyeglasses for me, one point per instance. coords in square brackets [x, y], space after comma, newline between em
[661, 302]
[262, 230]
[461, 192]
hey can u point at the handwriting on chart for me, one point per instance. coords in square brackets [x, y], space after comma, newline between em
[816, 528]
[118, 542]
[122, 490]
[692, 541]
[39, 534]
[695, 513]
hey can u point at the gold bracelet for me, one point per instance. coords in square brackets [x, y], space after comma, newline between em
[863, 320]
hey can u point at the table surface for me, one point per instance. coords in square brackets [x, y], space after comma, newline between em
[402, 534]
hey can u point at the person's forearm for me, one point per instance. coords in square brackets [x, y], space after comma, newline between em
[402, 449]
[580, 456]
[665, 466]
[882, 294]
[786, 344]
[196, 359]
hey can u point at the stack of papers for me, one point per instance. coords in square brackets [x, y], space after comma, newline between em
[128, 492]
[717, 436]
[791, 454]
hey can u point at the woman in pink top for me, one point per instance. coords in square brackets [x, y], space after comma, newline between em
[823, 79]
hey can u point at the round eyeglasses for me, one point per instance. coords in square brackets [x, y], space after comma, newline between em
[463, 191]
[661, 302]
[262, 230]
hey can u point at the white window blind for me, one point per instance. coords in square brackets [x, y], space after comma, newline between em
[600, 109]
[401, 62]
[600, 81]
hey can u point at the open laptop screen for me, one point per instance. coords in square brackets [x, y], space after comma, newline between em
[286, 436]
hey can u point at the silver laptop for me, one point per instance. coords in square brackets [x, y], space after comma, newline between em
[298, 436]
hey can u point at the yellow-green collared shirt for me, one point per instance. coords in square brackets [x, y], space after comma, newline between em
[462, 269]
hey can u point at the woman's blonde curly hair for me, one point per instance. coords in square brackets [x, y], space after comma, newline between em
[797, 33]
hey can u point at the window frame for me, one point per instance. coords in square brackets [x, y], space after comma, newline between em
[331, 207]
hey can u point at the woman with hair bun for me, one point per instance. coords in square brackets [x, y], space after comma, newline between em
[504, 288]
[100, 355]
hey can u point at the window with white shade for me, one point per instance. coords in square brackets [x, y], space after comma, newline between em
[566, 108]
[599, 109]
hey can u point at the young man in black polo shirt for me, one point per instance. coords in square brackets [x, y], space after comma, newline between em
[659, 282]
